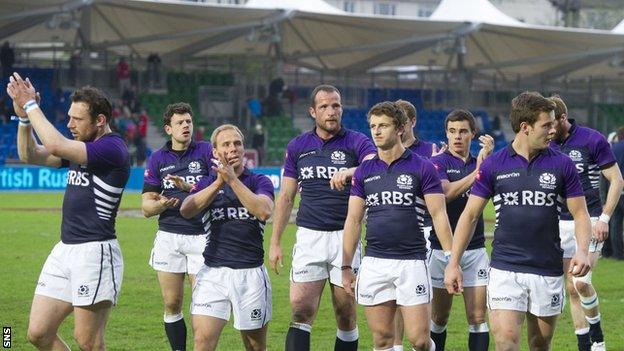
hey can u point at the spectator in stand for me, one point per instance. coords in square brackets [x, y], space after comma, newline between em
[257, 142]
[7, 59]
[140, 138]
[74, 64]
[123, 74]
[496, 126]
[199, 133]
[4, 111]
[153, 70]
[271, 105]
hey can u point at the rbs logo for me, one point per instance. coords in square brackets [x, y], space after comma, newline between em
[78, 178]
[528, 197]
[169, 184]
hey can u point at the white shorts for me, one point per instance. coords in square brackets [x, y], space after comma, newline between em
[474, 264]
[82, 274]
[178, 253]
[383, 279]
[317, 255]
[246, 292]
[542, 296]
[568, 241]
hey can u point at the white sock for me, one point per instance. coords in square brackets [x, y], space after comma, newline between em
[172, 318]
[348, 336]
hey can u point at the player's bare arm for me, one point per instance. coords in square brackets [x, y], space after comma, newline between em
[196, 203]
[463, 233]
[580, 263]
[436, 206]
[179, 182]
[54, 142]
[261, 206]
[341, 178]
[153, 203]
[616, 184]
[283, 208]
[351, 236]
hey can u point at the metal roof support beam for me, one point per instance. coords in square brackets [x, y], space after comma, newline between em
[51, 10]
[203, 44]
[18, 26]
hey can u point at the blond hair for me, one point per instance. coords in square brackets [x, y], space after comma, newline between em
[219, 129]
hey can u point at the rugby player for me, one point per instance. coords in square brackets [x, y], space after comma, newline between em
[457, 169]
[396, 187]
[591, 154]
[179, 243]
[84, 271]
[235, 204]
[528, 182]
[321, 163]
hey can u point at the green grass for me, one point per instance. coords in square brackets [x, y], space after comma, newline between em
[27, 237]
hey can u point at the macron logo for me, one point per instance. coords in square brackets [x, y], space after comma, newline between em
[508, 175]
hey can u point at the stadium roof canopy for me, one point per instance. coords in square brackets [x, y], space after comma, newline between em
[461, 34]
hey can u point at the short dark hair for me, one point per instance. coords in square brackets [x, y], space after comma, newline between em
[527, 107]
[560, 108]
[461, 115]
[179, 108]
[323, 87]
[390, 109]
[96, 100]
[620, 133]
[408, 107]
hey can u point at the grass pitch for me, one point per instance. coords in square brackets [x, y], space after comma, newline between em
[30, 228]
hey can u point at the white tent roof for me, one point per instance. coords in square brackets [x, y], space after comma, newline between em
[480, 11]
[317, 40]
[319, 6]
[619, 28]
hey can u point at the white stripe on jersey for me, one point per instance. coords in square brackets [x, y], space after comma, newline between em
[104, 204]
[104, 196]
[107, 187]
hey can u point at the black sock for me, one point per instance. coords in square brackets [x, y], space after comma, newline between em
[596, 332]
[176, 333]
[478, 341]
[439, 339]
[342, 345]
[584, 343]
[297, 340]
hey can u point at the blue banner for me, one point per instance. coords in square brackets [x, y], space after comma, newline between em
[42, 178]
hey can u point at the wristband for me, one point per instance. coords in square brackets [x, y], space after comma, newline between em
[30, 105]
[24, 121]
[343, 268]
[604, 218]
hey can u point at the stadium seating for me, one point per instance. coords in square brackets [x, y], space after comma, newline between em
[279, 131]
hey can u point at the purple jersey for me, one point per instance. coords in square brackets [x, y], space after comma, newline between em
[234, 235]
[453, 168]
[94, 191]
[590, 152]
[313, 161]
[422, 148]
[395, 201]
[191, 164]
[527, 198]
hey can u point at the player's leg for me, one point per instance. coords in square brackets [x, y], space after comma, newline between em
[540, 331]
[46, 315]
[172, 289]
[379, 319]
[169, 258]
[345, 311]
[589, 302]
[51, 303]
[90, 325]
[206, 331]
[251, 297]
[210, 307]
[304, 301]
[398, 332]
[416, 320]
[255, 340]
[581, 328]
[506, 326]
[476, 311]
[307, 279]
[442, 301]
[440, 312]
[475, 266]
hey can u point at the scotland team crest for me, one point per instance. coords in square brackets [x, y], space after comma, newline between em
[338, 157]
[404, 181]
[548, 180]
[575, 155]
[194, 167]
